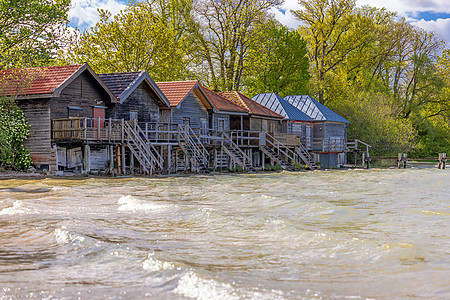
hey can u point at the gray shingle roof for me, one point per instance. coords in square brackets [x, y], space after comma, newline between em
[280, 106]
[314, 109]
[123, 84]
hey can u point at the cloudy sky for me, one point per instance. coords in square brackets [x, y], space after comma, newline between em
[432, 15]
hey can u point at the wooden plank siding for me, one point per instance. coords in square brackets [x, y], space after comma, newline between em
[83, 92]
[37, 113]
[143, 101]
[191, 108]
[215, 121]
[264, 124]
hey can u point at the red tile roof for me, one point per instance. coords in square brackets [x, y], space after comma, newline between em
[34, 81]
[176, 91]
[223, 104]
[252, 106]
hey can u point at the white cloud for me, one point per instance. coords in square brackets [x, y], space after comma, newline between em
[83, 13]
[440, 26]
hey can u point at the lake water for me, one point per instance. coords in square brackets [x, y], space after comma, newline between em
[356, 234]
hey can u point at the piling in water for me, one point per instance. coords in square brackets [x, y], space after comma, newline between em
[442, 160]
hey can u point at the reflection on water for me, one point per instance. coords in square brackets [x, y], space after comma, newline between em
[315, 235]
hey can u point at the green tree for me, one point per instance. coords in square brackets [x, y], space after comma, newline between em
[146, 36]
[31, 31]
[14, 129]
[335, 30]
[375, 122]
[223, 32]
[277, 62]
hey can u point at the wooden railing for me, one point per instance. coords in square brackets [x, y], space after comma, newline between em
[87, 129]
[328, 145]
[96, 129]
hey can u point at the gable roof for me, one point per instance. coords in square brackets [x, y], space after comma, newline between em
[222, 104]
[125, 83]
[314, 109]
[252, 106]
[177, 91]
[44, 82]
[280, 106]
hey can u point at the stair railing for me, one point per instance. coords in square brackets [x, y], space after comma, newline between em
[158, 157]
[281, 148]
[192, 142]
[234, 147]
[147, 159]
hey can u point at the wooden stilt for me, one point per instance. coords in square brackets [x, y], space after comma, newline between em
[111, 159]
[131, 163]
[87, 159]
[169, 158]
[124, 168]
[215, 159]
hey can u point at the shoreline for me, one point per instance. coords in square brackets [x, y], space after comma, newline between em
[20, 175]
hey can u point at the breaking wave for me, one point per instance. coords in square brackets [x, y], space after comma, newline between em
[16, 209]
[130, 204]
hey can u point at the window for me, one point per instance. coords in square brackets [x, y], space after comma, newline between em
[272, 127]
[74, 111]
[133, 115]
[220, 125]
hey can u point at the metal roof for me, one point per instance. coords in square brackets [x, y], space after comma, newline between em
[282, 107]
[314, 109]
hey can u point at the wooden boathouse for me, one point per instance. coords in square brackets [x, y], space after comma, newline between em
[73, 93]
[328, 138]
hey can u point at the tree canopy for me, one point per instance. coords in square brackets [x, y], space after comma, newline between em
[31, 31]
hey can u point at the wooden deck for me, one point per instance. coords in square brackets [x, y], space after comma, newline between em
[92, 130]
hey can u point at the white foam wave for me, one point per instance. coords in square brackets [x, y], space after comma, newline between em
[129, 203]
[152, 264]
[192, 286]
[63, 236]
[17, 208]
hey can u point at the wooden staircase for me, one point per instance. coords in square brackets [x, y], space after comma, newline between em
[193, 148]
[277, 158]
[236, 154]
[279, 152]
[145, 152]
[306, 157]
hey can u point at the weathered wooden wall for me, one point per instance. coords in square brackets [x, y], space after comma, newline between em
[264, 124]
[191, 108]
[215, 121]
[335, 130]
[143, 101]
[165, 115]
[37, 113]
[99, 157]
[84, 92]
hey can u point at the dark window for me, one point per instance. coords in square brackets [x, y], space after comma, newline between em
[74, 111]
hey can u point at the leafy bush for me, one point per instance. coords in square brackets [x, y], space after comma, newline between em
[14, 129]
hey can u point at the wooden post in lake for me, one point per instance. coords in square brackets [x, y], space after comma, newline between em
[442, 160]
[402, 160]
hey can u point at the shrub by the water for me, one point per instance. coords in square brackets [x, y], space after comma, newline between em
[14, 129]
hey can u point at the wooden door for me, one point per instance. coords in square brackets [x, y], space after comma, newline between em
[99, 112]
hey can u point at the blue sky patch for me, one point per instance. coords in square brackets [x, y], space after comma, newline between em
[430, 15]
